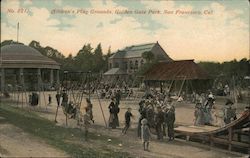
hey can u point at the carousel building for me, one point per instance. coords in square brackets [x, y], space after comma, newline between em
[26, 67]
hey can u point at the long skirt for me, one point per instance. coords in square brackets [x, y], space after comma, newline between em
[113, 120]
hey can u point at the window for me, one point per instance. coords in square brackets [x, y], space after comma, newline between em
[136, 64]
[131, 64]
[142, 62]
[125, 64]
[110, 65]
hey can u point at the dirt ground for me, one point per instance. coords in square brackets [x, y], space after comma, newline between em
[184, 111]
[16, 143]
[12, 138]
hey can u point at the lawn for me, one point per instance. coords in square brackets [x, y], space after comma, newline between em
[69, 140]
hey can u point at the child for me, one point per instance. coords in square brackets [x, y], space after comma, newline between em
[128, 114]
[50, 100]
[87, 122]
[145, 134]
[58, 98]
[89, 108]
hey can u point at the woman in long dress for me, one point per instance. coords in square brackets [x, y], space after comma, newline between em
[113, 118]
[199, 115]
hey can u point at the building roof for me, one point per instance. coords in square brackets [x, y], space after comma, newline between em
[176, 70]
[115, 71]
[133, 51]
[22, 56]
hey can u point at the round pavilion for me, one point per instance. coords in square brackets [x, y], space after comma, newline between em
[25, 66]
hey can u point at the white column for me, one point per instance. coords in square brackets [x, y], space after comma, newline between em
[57, 80]
[39, 79]
[21, 77]
[51, 77]
[57, 77]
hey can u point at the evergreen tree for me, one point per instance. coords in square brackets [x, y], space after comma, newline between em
[98, 58]
[84, 58]
[106, 59]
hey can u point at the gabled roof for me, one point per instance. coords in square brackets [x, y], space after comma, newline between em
[176, 70]
[133, 51]
[115, 71]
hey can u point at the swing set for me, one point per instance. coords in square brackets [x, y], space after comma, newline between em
[75, 86]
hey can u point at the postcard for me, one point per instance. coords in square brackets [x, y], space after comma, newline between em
[124, 78]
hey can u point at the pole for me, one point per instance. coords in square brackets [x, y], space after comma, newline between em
[101, 108]
[17, 32]
[161, 86]
[22, 96]
[181, 86]
[56, 112]
[18, 93]
[66, 93]
[96, 90]
[234, 93]
[89, 82]
[59, 100]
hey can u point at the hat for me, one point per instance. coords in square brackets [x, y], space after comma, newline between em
[144, 121]
[147, 102]
[198, 105]
[168, 106]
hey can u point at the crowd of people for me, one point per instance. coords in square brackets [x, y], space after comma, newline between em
[206, 113]
[157, 113]
[108, 91]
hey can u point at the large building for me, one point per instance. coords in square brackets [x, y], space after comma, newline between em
[129, 60]
[26, 67]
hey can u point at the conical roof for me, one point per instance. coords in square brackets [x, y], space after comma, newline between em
[22, 56]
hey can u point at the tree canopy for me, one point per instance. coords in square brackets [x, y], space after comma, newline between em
[148, 56]
[229, 72]
[93, 59]
[86, 59]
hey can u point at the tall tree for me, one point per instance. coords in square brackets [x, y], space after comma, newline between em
[8, 42]
[48, 51]
[148, 56]
[84, 58]
[106, 59]
[36, 45]
[150, 61]
[98, 58]
[69, 63]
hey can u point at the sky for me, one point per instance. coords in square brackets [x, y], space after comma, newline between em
[215, 30]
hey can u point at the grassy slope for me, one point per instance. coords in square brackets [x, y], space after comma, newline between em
[59, 137]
